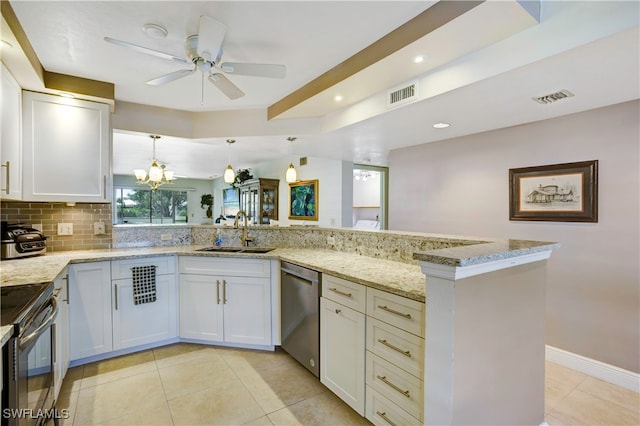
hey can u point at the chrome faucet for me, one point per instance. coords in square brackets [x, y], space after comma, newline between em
[244, 239]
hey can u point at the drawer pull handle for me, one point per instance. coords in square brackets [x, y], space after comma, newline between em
[395, 348]
[341, 293]
[338, 311]
[393, 311]
[386, 419]
[404, 392]
[217, 292]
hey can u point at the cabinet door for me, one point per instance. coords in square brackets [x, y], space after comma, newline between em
[66, 145]
[151, 322]
[11, 138]
[61, 359]
[201, 307]
[90, 330]
[342, 352]
[247, 310]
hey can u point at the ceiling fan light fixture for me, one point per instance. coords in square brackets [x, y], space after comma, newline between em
[154, 30]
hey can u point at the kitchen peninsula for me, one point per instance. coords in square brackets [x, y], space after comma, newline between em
[484, 300]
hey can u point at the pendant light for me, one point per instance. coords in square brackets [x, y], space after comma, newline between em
[229, 174]
[291, 175]
[157, 175]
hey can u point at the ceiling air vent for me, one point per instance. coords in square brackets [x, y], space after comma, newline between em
[402, 94]
[553, 97]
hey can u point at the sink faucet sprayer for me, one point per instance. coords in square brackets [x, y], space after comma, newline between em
[244, 239]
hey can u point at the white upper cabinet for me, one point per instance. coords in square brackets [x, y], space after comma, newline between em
[11, 138]
[66, 149]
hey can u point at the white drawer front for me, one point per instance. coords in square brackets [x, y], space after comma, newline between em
[397, 385]
[382, 412]
[402, 349]
[345, 292]
[399, 311]
[122, 268]
[246, 267]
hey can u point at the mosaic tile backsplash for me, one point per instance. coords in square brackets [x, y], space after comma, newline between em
[46, 217]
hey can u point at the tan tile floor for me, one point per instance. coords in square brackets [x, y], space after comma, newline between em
[186, 384]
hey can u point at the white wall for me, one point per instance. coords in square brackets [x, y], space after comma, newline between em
[460, 186]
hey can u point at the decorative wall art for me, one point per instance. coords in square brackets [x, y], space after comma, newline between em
[303, 200]
[559, 192]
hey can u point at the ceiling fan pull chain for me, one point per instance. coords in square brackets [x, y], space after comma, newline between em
[202, 92]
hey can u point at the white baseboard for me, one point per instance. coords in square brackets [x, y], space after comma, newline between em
[609, 373]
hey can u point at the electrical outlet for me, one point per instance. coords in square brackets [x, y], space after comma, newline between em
[98, 228]
[65, 229]
[165, 237]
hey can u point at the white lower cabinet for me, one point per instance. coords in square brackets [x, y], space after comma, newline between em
[90, 324]
[61, 326]
[342, 341]
[225, 300]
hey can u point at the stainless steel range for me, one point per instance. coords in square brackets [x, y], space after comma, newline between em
[28, 381]
[21, 241]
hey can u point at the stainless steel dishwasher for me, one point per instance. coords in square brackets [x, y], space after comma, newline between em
[300, 311]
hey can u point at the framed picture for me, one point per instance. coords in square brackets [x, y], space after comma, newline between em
[303, 200]
[559, 192]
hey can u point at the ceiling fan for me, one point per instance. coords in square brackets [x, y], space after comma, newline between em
[204, 53]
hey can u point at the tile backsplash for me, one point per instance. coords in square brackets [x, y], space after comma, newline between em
[46, 217]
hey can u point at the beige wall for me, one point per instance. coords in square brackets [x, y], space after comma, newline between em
[460, 186]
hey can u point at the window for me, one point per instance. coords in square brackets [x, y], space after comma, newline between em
[133, 205]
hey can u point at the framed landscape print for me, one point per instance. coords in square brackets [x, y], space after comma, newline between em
[559, 192]
[303, 200]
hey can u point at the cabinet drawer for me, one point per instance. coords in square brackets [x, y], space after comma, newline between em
[246, 267]
[382, 412]
[397, 385]
[121, 269]
[402, 349]
[345, 292]
[399, 311]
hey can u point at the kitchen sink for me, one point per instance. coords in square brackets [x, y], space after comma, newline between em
[237, 249]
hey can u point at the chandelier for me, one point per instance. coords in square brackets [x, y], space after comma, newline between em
[158, 175]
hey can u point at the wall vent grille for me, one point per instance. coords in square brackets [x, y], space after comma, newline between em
[553, 97]
[402, 94]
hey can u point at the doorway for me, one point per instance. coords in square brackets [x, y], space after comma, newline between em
[370, 198]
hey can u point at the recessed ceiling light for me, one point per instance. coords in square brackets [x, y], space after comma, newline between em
[441, 125]
[337, 98]
[418, 59]
[154, 30]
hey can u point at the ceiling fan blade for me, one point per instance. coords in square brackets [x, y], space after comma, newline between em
[146, 50]
[225, 85]
[167, 78]
[210, 37]
[258, 70]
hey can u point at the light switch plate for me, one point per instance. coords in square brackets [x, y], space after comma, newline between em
[65, 229]
[98, 228]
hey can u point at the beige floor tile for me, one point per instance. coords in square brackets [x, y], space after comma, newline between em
[111, 375]
[612, 393]
[281, 386]
[554, 421]
[66, 404]
[117, 363]
[554, 392]
[581, 408]
[242, 361]
[224, 404]
[108, 401]
[158, 414]
[183, 353]
[262, 421]
[323, 409]
[72, 380]
[201, 373]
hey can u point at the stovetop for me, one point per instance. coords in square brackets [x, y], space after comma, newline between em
[17, 301]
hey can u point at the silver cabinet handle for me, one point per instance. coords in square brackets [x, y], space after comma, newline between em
[341, 293]
[7, 166]
[387, 382]
[393, 311]
[395, 348]
[224, 292]
[217, 292]
[66, 278]
[386, 419]
[104, 188]
[116, 295]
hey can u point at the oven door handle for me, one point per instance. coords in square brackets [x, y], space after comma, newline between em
[26, 341]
